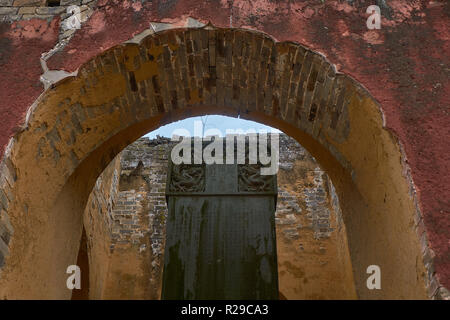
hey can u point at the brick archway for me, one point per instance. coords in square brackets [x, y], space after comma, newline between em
[79, 124]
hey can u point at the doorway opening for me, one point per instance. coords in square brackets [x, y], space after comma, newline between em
[78, 126]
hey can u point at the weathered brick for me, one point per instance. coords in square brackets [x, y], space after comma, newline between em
[50, 10]
[4, 203]
[2, 259]
[433, 286]
[4, 220]
[37, 16]
[29, 3]
[4, 251]
[27, 10]
[70, 2]
[4, 233]
[442, 294]
[6, 3]
[9, 10]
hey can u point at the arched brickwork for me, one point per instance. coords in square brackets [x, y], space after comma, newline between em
[79, 124]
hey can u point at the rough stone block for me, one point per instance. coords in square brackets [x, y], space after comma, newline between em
[29, 3]
[9, 10]
[433, 286]
[36, 16]
[50, 10]
[443, 294]
[70, 2]
[27, 10]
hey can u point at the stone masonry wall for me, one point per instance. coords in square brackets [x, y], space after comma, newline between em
[15, 10]
[312, 251]
[139, 219]
[313, 257]
[98, 223]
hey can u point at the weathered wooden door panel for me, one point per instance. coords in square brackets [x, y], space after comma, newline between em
[220, 236]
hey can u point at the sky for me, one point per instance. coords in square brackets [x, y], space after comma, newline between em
[221, 123]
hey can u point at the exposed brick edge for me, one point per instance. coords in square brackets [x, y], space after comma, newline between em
[8, 178]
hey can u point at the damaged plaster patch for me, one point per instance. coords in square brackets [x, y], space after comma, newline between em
[50, 77]
[139, 37]
[188, 23]
[159, 26]
[32, 29]
[373, 37]
[193, 23]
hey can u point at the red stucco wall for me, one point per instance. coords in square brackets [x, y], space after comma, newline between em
[405, 66]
